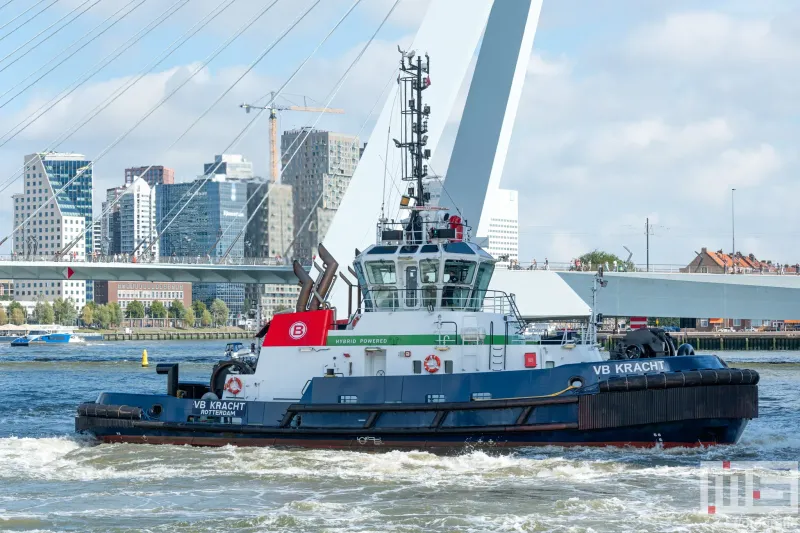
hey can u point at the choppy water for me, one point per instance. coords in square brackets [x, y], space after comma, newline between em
[52, 481]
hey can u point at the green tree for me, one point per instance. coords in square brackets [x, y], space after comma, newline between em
[17, 316]
[102, 316]
[177, 309]
[660, 321]
[3, 316]
[157, 310]
[14, 305]
[64, 311]
[205, 319]
[43, 312]
[199, 307]
[220, 312]
[87, 315]
[115, 313]
[596, 258]
[135, 309]
[189, 318]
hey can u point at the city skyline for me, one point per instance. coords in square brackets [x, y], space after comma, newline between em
[598, 127]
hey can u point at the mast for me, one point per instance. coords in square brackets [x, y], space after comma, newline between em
[414, 78]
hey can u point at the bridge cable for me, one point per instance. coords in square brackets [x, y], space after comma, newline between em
[7, 2]
[29, 41]
[128, 84]
[307, 132]
[208, 175]
[45, 8]
[164, 99]
[358, 134]
[25, 22]
[210, 107]
[31, 84]
[97, 67]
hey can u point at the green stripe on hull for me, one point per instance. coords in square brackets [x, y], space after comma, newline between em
[406, 340]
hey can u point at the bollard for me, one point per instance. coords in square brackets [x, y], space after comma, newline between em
[144, 358]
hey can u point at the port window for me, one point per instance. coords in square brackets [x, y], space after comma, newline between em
[348, 399]
[434, 398]
[477, 396]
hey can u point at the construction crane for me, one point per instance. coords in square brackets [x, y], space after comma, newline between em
[274, 158]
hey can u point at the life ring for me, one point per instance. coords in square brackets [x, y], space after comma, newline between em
[432, 363]
[234, 385]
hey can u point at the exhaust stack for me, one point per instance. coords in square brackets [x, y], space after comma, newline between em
[325, 282]
[306, 284]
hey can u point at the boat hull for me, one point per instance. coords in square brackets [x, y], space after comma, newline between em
[687, 408]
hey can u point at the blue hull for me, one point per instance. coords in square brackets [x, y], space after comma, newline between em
[493, 409]
[40, 340]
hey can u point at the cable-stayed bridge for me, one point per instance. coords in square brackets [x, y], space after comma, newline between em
[451, 32]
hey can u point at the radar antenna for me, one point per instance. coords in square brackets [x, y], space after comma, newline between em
[414, 78]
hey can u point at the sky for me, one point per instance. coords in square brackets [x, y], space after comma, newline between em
[632, 109]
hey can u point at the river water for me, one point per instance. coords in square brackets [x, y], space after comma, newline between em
[51, 480]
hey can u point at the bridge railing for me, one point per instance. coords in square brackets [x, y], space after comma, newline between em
[170, 260]
[657, 268]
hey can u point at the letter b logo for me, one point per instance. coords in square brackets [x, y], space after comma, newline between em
[298, 330]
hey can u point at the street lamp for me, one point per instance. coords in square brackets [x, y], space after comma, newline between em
[733, 226]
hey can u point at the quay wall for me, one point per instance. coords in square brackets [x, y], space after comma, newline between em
[705, 341]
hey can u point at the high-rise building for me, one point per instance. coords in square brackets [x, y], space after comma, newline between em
[61, 185]
[318, 165]
[231, 166]
[211, 223]
[269, 234]
[155, 175]
[97, 237]
[502, 207]
[111, 227]
[137, 213]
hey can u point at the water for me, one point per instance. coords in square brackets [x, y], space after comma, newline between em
[51, 480]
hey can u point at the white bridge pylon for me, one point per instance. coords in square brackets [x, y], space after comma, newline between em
[449, 33]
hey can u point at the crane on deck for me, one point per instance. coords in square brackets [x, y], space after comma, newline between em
[274, 157]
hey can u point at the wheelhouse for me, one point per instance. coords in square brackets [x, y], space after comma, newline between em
[406, 277]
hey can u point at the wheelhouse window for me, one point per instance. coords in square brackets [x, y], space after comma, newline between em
[381, 272]
[434, 398]
[481, 284]
[429, 270]
[458, 276]
[348, 399]
[477, 396]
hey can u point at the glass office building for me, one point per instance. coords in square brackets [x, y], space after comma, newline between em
[200, 220]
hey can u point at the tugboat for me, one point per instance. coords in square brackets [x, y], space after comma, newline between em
[427, 357]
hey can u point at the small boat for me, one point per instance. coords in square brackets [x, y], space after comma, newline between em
[37, 338]
[430, 358]
[235, 350]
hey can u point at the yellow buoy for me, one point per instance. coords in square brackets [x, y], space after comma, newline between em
[144, 358]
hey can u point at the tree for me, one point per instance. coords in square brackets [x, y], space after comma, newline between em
[43, 312]
[663, 321]
[157, 310]
[596, 258]
[220, 312]
[102, 316]
[87, 315]
[198, 307]
[64, 311]
[17, 316]
[115, 313]
[16, 313]
[189, 318]
[136, 309]
[177, 309]
[3, 316]
[205, 320]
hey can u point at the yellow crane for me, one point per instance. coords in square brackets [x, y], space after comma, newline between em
[274, 157]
